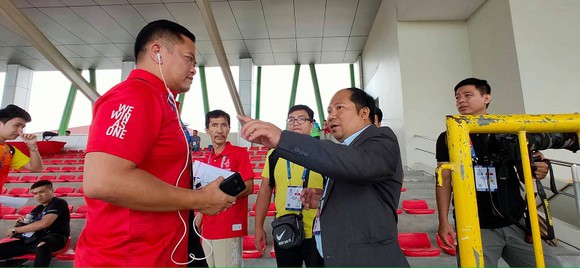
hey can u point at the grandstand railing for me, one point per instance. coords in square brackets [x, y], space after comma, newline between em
[461, 166]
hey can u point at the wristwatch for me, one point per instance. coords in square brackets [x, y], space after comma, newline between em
[13, 231]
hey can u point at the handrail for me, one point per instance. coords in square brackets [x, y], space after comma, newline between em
[562, 163]
[424, 137]
[423, 150]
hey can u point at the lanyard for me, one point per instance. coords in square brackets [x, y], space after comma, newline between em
[289, 172]
[173, 105]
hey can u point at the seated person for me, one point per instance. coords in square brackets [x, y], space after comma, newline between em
[44, 230]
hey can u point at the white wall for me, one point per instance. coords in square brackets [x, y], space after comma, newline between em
[382, 71]
[434, 57]
[494, 57]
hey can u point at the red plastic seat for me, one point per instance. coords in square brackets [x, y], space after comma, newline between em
[65, 178]
[255, 158]
[399, 211]
[262, 152]
[80, 213]
[63, 191]
[13, 179]
[416, 206]
[18, 191]
[403, 189]
[29, 178]
[80, 193]
[249, 250]
[4, 190]
[22, 212]
[271, 210]
[32, 256]
[55, 162]
[447, 249]
[51, 169]
[258, 175]
[68, 169]
[5, 210]
[417, 245]
[256, 189]
[47, 177]
[70, 161]
[261, 165]
[272, 253]
[78, 178]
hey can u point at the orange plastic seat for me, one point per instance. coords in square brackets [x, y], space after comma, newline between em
[447, 249]
[249, 250]
[417, 245]
[416, 206]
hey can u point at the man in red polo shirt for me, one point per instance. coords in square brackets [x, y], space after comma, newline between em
[138, 163]
[226, 230]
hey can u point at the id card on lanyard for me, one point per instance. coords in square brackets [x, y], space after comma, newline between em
[293, 192]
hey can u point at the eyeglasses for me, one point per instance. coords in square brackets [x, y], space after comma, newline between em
[300, 120]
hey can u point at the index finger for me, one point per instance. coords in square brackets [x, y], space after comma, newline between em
[244, 119]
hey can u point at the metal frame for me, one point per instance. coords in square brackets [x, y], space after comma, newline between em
[461, 166]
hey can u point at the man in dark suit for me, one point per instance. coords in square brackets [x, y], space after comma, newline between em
[357, 214]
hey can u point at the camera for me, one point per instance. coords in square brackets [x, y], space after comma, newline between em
[504, 149]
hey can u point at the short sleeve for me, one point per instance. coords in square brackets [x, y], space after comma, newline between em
[266, 170]
[442, 152]
[126, 123]
[245, 168]
[18, 159]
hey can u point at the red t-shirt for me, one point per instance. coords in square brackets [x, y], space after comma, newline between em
[135, 121]
[234, 221]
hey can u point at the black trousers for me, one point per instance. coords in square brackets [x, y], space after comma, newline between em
[43, 253]
[294, 257]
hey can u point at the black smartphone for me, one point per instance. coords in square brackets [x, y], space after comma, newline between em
[233, 185]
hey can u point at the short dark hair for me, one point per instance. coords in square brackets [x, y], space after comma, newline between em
[302, 107]
[216, 114]
[481, 85]
[361, 100]
[12, 111]
[379, 114]
[164, 30]
[41, 183]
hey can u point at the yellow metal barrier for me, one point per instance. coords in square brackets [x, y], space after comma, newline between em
[458, 129]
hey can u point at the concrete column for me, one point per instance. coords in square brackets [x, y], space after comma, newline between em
[245, 89]
[17, 86]
[126, 68]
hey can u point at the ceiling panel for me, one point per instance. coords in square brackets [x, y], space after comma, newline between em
[263, 59]
[129, 49]
[285, 58]
[31, 51]
[111, 2]
[283, 45]
[351, 56]
[279, 18]
[339, 17]
[309, 44]
[84, 51]
[331, 57]
[12, 39]
[250, 19]
[419, 10]
[45, 3]
[14, 54]
[356, 43]
[127, 17]
[225, 21]
[308, 57]
[104, 23]
[188, 15]
[309, 18]
[366, 12]
[109, 50]
[204, 47]
[79, 2]
[334, 43]
[152, 12]
[76, 25]
[258, 46]
[50, 28]
[66, 52]
[235, 47]
[21, 3]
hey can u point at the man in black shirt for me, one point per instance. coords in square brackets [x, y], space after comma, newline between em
[499, 201]
[44, 230]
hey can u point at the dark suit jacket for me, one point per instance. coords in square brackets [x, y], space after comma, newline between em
[359, 216]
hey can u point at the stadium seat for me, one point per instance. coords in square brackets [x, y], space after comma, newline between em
[256, 189]
[13, 179]
[257, 175]
[79, 193]
[51, 169]
[273, 252]
[63, 191]
[403, 189]
[68, 169]
[261, 165]
[18, 191]
[417, 245]
[47, 178]
[32, 256]
[4, 191]
[255, 158]
[5, 210]
[271, 210]
[55, 162]
[70, 161]
[78, 178]
[65, 178]
[262, 152]
[417, 206]
[253, 148]
[80, 213]
[22, 212]
[29, 178]
[249, 250]
[447, 249]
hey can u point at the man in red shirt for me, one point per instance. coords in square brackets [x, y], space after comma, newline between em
[226, 230]
[137, 174]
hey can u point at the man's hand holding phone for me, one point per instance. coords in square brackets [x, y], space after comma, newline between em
[215, 199]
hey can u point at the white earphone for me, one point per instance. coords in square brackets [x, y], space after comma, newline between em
[158, 57]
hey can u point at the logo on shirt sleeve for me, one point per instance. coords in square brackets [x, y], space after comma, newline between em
[121, 117]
